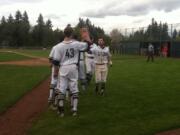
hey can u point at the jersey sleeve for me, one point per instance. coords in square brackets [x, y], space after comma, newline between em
[82, 46]
[94, 45]
[93, 49]
[51, 53]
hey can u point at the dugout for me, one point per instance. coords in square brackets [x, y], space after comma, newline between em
[140, 48]
[158, 47]
[175, 49]
[129, 48]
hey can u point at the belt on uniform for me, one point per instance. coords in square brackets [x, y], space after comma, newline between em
[69, 64]
[90, 57]
[100, 63]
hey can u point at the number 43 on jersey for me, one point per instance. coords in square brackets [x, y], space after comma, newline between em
[70, 53]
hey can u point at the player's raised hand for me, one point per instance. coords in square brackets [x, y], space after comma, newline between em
[85, 34]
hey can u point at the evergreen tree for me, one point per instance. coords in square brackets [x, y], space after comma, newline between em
[175, 33]
[10, 30]
[3, 31]
[38, 31]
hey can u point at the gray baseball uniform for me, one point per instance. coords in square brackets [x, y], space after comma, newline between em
[66, 55]
[101, 58]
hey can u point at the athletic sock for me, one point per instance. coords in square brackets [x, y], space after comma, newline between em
[60, 108]
[51, 92]
[83, 84]
[75, 102]
[61, 103]
[88, 77]
[71, 101]
[102, 88]
[97, 87]
[67, 95]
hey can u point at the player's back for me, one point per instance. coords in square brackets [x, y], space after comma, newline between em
[67, 52]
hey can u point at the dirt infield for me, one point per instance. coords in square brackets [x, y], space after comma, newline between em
[31, 62]
[171, 132]
[17, 119]
[34, 61]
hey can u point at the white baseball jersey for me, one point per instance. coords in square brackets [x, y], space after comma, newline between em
[81, 57]
[51, 54]
[88, 54]
[101, 55]
[151, 48]
[51, 57]
[82, 74]
[67, 52]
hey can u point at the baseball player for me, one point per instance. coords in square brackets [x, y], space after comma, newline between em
[102, 58]
[89, 58]
[66, 55]
[53, 82]
[150, 52]
[52, 99]
[82, 70]
[81, 67]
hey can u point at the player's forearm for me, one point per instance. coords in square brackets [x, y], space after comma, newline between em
[89, 46]
[56, 71]
[50, 59]
[56, 67]
[51, 62]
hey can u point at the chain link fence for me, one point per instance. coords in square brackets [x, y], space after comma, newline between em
[136, 40]
[160, 33]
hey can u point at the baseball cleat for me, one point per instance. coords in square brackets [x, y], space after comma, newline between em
[102, 93]
[53, 107]
[50, 101]
[60, 111]
[74, 113]
[61, 114]
[83, 88]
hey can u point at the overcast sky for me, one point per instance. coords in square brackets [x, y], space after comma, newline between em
[108, 14]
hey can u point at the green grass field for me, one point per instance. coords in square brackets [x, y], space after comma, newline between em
[142, 99]
[5, 56]
[38, 53]
[15, 81]
[32, 52]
